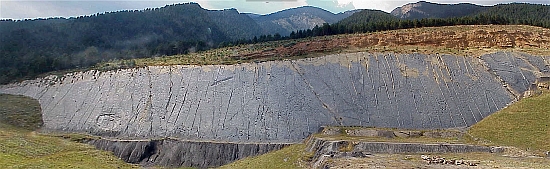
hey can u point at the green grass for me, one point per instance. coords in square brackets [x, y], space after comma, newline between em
[293, 156]
[20, 111]
[525, 124]
[24, 148]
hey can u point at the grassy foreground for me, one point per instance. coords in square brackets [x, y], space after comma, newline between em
[287, 158]
[525, 125]
[24, 148]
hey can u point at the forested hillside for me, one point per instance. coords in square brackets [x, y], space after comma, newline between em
[372, 20]
[33, 47]
[244, 28]
[522, 13]
[301, 18]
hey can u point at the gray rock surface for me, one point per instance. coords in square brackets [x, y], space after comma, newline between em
[176, 153]
[282, 101]
[321, 147]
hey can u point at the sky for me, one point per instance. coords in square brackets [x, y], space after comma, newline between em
[27, 9]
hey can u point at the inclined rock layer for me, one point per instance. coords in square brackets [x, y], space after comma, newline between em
[283, 101]
[176, 153]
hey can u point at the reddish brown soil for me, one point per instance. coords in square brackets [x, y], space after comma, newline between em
[453, 37]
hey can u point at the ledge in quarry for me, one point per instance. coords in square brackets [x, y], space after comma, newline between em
[325, 150]
[283, 101]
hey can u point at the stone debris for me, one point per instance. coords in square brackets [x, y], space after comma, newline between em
[441, 160]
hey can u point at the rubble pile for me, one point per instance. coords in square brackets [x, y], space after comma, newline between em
[442, 160]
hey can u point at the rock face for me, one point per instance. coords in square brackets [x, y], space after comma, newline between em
[326, 147]
[294, 19]
[175, 153]
[283, 101]
[423, 9]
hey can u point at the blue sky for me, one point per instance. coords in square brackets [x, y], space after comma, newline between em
[21, 9]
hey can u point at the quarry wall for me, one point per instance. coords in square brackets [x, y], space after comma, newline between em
[283, 101]
[176, 153]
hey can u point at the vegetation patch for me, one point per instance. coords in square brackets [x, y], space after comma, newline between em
[20, 111]
[525, 125]
[293, 156]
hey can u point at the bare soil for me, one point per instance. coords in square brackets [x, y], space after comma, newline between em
[472, 39]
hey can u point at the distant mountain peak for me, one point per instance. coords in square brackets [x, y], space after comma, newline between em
[299, 18]
[424, 9]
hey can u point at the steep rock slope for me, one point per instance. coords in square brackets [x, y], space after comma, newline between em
[283, 101]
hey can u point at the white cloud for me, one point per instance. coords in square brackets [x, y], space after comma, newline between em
[342, 3]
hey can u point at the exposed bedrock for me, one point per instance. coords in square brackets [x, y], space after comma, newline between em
[283, 101]
[175, 153]
[327, 149]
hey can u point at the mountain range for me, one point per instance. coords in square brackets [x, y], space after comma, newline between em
[294, 19]
[425, 9]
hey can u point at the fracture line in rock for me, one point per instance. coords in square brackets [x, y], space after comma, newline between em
[452, 91]
[393, 91]
[410, 87]
[99, 92]
[184, 100]
[150, 101]
[335, 115]
[434, 72]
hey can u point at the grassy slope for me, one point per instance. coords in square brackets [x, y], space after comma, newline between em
[525, 124]
[23, 148]
[286, 158]
[20, 111]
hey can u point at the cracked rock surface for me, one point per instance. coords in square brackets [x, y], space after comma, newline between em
[283, 101]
